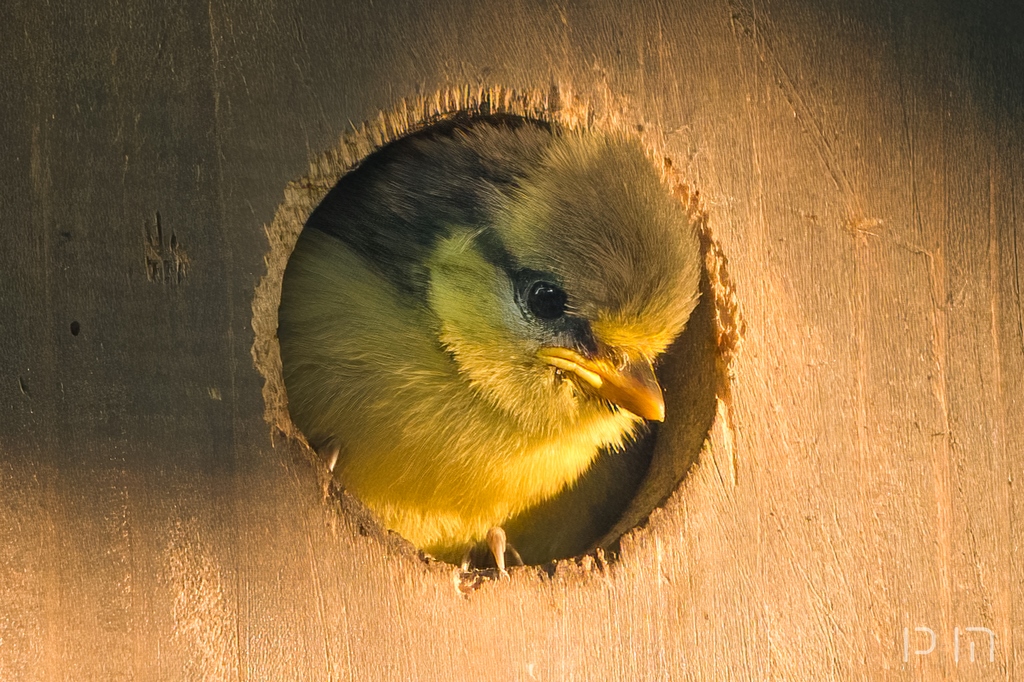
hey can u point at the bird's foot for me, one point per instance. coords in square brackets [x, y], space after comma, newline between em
[494, 551]
[330, 454]
[501, 550]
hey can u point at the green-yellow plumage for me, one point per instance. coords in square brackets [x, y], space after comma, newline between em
[421, 332]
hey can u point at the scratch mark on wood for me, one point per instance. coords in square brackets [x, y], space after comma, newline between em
[728, 438]
[872, 227]
[753, 27]
[1016, 269]
[166, 261]
[995, 306]
[321, 610]
[203, 618]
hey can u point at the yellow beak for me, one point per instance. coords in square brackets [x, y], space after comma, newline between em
[633, 387]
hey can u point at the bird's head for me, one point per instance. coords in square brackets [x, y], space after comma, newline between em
[587, 271]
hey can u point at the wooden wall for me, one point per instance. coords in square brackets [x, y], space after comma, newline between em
[863, 164]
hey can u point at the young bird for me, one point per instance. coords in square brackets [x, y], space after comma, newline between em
[472, 315]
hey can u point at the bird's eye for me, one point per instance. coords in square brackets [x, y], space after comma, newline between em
[546, 300]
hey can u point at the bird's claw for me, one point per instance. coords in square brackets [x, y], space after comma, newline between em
[498, 550]
[331, 453]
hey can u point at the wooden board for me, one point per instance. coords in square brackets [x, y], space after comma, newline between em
[863, 165]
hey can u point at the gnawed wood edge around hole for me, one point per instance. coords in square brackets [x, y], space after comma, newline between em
[561, 106]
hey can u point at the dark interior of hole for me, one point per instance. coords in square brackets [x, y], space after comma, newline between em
[619, 486]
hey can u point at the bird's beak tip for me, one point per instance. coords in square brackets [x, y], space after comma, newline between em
[633, 388]
[647, 402]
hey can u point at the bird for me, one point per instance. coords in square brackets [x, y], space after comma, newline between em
[473, 315]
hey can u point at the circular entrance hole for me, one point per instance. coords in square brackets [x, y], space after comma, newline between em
[496, 316]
